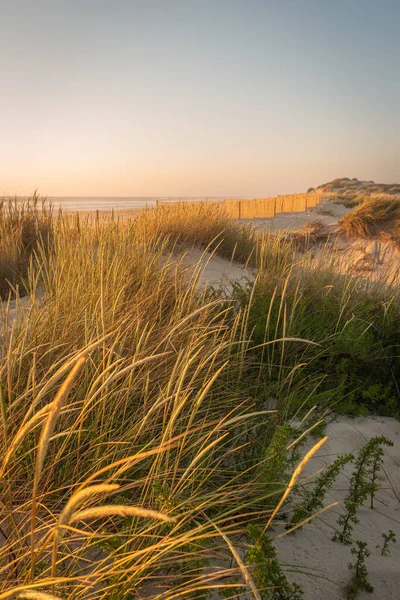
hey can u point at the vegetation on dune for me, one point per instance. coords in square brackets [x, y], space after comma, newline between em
[352, 192]
[23, 227]
[146, 421]
[346, 185]
[126, 423]
[349, 200]
[350, 362]
[312, 500]
[373, 215]
[202, 223]
[362, 484]
[359, 580]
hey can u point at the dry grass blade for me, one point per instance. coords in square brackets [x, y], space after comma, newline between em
[51, 382]
[296, 474]
[76, 500]
[101, 512]
[36, 595]
[22, 433]
[81, 496]
[54, 411]
[243, 569]
[31, 591]
[44, 439]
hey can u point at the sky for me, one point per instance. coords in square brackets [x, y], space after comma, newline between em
[197, 97]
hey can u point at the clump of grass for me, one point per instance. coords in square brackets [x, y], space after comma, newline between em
[374, 214]
[352, 327]
[349, 200]
[206, 224]
[310, 234]
[24, 225]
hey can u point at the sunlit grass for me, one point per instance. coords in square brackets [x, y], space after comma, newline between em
[374, 214]
[138, 408]
[122, 414]
[24, 226]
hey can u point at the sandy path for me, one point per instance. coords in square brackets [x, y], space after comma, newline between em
[214, 270]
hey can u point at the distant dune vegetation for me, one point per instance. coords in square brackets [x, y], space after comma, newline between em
[352, 192]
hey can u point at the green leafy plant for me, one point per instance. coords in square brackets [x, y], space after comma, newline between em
[313, 499]
[377, 463]
[360, 573]
[266, 570]
[387, 538]
[275, 478]
[361, 485]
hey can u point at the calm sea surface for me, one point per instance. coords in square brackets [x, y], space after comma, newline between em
[93, 203]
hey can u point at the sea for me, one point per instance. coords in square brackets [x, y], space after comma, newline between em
[89, 203]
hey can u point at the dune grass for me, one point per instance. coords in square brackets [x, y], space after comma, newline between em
[205, 224]
[126, 424]
[24, 225]
[351, 361]
[374, 214]
[145, 420]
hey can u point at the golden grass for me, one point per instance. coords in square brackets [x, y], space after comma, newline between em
[23, 227]
[123, 411]
[205, 224]
[381, 212]
[130, 408]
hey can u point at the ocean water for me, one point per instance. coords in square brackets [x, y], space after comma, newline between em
[97, 203]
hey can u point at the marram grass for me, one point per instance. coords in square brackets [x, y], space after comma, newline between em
[137, 407]
[122, 415]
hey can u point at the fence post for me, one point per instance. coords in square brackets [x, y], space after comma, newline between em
[240, 209]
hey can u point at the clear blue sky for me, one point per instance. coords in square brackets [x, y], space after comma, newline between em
[197, 97]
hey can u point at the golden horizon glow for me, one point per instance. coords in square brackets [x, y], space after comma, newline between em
[203, 99]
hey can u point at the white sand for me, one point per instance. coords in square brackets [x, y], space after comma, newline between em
[214, 270]
[311, 550]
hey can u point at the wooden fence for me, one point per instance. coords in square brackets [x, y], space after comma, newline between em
[263, 208]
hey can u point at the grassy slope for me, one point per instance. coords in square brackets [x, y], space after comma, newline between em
[375, 214]
[352, 192]
[346, 185]
[170, 401]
